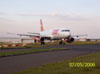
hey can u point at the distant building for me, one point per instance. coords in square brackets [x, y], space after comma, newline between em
[10, 40]
[16, 40]
[27, 40]
[80, 39]
[93, 39]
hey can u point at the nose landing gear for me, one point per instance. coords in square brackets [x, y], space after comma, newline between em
[62, 42]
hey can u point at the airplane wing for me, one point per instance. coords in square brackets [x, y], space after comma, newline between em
[30, 35]
[78, 35]
[33, 33]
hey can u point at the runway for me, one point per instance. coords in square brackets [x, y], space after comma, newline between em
[22, 62]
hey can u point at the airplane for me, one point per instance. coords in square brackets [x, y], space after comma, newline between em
[61, 34]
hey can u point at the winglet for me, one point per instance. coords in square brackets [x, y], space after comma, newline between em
[42, 29]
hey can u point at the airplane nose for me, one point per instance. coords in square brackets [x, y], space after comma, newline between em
[68, 34]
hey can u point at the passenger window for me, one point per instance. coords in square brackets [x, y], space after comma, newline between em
[65, 30]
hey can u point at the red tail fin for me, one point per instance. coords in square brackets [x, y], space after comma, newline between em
[42, 29]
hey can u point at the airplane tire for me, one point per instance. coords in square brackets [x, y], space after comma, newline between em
[42, 41]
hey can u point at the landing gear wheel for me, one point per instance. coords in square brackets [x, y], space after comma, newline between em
[42, 41]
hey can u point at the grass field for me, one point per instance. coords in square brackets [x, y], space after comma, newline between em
[28, 45]
[38, 45]
[84, 42]
[63, 66]
[21, 52]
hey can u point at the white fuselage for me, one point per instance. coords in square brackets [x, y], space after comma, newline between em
[58, 33]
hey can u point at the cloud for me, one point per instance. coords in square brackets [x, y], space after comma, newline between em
[57, 16]
[71, 17]
[2, 13]
[2, 19]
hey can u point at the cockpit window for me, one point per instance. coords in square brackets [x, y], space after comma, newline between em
[65, 30]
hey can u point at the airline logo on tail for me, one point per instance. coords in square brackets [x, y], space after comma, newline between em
[42, 29]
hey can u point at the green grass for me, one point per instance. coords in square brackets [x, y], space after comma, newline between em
[63, 67]
[83, 42]
[29, 45]
[3, 54]
[38, 45]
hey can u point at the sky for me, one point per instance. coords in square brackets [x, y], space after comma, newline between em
[22, 16]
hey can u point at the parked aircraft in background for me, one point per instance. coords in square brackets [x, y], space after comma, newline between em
[61, 34]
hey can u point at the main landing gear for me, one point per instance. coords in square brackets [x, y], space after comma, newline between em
[42, 41]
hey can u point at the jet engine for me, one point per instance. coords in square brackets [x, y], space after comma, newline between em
[70, 40]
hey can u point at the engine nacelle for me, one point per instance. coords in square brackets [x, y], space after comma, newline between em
[70, 40]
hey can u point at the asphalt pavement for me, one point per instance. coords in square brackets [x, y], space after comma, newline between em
[22, 62]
